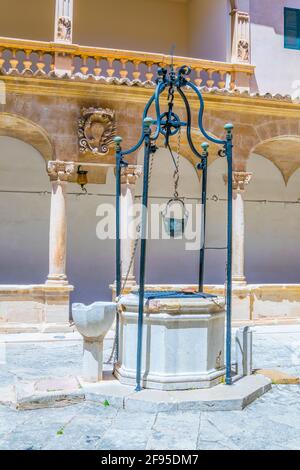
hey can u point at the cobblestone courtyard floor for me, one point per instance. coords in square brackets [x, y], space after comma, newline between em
[272, 422]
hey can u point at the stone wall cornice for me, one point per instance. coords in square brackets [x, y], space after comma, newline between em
[278, 105]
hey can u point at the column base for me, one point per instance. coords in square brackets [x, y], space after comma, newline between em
[239, 281]
[57, 280]
[131, 282]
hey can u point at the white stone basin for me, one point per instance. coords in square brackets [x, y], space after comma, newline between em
[182, 342]
[93, 322]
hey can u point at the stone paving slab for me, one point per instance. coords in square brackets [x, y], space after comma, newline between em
[270, 422]
[44, 393]
[278, 377]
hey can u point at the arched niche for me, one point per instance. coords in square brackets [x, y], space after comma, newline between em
[216, 222]
[90, 260]
[272, 225]
[24, 210]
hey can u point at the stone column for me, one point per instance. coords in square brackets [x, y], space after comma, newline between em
[59, 173]
[129, 177]
[240, 180]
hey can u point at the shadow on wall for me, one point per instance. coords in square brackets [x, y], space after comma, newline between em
[274, 17]
[169, 261]
[272, 230]
[90, 261]
[272, 227]
[24, 209]
[272, 224]
[215, 267]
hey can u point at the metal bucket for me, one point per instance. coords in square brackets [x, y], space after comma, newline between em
[175, 227]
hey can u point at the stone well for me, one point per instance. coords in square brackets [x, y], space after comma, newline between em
[183, 342]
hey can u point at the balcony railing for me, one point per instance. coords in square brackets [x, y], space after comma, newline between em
[51, 60]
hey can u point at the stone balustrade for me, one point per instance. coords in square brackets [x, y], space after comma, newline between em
[53, 60]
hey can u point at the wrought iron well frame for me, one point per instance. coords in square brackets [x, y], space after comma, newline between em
[168, 124]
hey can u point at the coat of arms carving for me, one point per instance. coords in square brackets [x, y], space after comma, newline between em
[96, 130]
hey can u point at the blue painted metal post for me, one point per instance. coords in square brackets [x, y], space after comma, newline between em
[118, 141]
[203, 167]
[147, 150]
[228, 128]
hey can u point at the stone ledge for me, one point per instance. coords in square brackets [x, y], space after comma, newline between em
[68, 391]
[34, 289]
[13, 328]
[219, 398]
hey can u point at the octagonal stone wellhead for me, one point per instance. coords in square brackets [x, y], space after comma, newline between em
[93, 322]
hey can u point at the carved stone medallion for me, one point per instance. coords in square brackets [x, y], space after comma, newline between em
[96, 130]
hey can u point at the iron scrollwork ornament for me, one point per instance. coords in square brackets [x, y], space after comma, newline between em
[167, 124]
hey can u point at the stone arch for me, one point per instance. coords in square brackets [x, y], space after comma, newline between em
[278, 128]
[283, 151]
[18, 127]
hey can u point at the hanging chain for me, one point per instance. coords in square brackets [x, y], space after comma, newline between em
[138, 230]
[176, 171]
[133, 254]
[171, 96]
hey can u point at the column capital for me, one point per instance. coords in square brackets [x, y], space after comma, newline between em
[59, 170]
[130, 174]
[240, 179]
